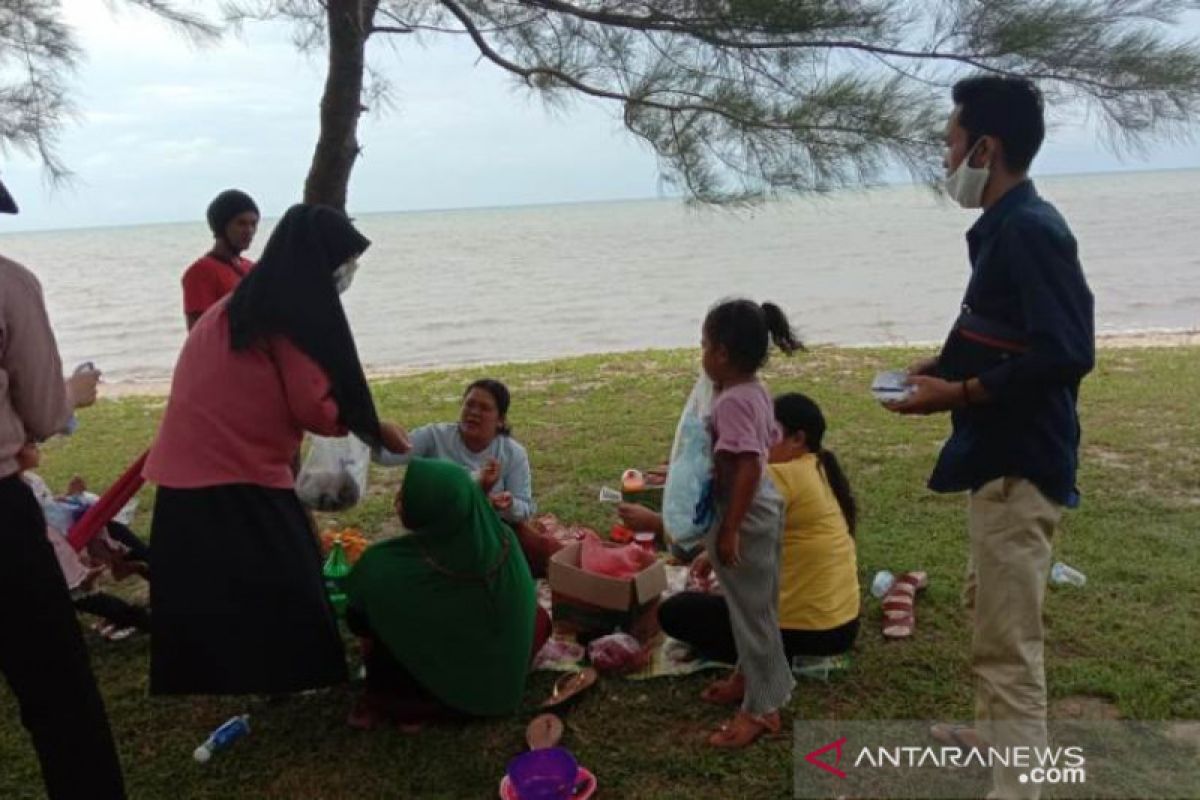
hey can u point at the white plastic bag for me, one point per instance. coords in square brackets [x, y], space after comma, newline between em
[334, 474]
[687, 498]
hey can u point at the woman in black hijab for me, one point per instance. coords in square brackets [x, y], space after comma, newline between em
[239, 605]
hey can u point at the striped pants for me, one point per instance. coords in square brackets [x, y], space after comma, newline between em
[752, 591]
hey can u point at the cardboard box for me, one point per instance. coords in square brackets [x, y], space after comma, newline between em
[590, 605]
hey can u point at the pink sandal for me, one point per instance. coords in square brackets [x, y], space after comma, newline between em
[726, 691]
[898, 618]
[744, 730]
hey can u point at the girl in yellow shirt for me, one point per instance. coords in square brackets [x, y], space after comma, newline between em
[818, 571]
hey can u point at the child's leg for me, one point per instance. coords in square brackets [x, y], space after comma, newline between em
[752, 592]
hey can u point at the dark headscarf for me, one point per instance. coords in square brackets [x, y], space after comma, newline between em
[291, 293]
[225, 206]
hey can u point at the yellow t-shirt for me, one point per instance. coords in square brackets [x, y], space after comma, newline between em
[818, 570]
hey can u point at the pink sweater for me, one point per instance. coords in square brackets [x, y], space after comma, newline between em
[238, 417]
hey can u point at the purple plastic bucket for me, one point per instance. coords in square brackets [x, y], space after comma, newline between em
[544, 774]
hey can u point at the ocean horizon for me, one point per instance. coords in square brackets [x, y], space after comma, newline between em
[487, 285]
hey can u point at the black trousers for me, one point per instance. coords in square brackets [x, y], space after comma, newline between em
[702, 620]
[44, 659]
[138, 550]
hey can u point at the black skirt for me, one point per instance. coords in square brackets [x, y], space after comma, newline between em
[238, 600]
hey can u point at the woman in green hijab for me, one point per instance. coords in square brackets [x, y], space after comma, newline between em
[447, 612]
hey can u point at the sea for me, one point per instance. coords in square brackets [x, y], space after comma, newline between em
[496, 285]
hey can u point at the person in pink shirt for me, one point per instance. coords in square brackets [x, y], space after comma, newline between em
[42, 654]
[238, 596]
[743, 543]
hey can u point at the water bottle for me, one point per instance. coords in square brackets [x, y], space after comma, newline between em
[230, 731]
[1063, 575]
[881, 583]
[336, 568]
[73, 422]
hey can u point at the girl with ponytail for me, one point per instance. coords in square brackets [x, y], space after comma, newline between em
[818, 577]
[743, 544]
[818, 592]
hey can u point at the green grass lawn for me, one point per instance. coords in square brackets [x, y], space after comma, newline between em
[1130, 638]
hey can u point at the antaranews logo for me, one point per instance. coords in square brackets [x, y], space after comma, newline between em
[1040, 765]
[814, 757]
[1104, 759]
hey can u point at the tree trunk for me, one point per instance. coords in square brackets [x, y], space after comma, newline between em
[349, 24]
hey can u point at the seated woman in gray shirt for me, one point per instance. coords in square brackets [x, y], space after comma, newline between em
[482, 442]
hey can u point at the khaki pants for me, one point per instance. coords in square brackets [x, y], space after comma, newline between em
[1011, 524]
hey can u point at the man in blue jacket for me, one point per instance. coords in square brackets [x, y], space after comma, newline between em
[1009, 374]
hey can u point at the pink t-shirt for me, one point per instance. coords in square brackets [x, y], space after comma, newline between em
[743, 420]
[238, 417]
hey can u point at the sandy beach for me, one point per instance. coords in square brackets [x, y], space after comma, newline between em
[1137, 339]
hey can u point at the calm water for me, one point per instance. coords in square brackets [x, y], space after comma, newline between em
[497, 285]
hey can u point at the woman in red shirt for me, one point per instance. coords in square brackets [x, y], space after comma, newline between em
[238, 597]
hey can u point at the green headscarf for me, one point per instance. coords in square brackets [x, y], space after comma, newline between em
[453, 601]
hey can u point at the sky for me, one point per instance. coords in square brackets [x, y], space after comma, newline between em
[164, 125]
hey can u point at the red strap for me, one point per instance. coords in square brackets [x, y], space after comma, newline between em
[109, 504]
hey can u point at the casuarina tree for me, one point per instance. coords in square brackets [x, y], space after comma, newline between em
[741, 99]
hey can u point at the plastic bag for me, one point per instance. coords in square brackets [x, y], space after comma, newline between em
[618, 653]
[687, 498]
[334, 474]
[557, 653]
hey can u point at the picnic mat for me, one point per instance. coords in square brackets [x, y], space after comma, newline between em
[669, 657]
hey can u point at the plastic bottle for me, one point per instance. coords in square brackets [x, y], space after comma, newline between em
[336, 568]
[73, 422]
[1063, 575]
[230, 731]
[880, 584]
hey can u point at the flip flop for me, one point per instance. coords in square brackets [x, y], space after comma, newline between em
[115, 634]
[543, 732]
[898, 618]
[727, 691]
[744, 729]
[569, 687]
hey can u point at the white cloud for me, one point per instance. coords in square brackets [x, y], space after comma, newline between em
[165, 124]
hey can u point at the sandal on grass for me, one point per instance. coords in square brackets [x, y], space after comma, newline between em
[898, 618]
[744, 729]
[118, 634]
[570, 686]
[112, 632]
[543, 732]
[727, 691]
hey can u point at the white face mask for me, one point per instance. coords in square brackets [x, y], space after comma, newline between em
[343, 276]
[966, 184]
